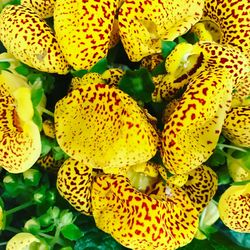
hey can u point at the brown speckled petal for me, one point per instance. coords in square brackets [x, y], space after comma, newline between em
[237, 126]
[83, 29]
[201, 186]
[44, 8]
[186, 61]
[20, 144]
[21, 241]
[234, 208]
[30, 40]
[93, 78]
[143, 24]
[74, 181]
[232, 20]
[141, 221]
[113, 76]
[192, 130]
[104, 127]
[49, 163]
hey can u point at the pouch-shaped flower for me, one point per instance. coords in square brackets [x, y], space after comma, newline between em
[143, 24]
[20, 144]
[25, 35]
[191, 132]
[103, 127]
[83, 30]
[141, 221]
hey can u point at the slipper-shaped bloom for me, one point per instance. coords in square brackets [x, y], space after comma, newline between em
[241, 92]
[237, 169]
[23, 241]
[44, 8]
[192, 130]
[201, 186]
[74, 181]
[104, 127]
[49, 164]
[25, 35]
[143, 24]
[234, 208]
[186, 61]
[228, 22]
[237, 126]
[20, 144]
[164, 219]
[83, 30]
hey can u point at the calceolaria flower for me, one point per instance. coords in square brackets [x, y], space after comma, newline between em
[19, 136]
[23, 241]
[234, 208]
[107, 126]
[191, 132]
[30, 39]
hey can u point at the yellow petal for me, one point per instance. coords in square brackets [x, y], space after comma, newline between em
[143, 24]
[140, 221]
[241, 93]
[44, 9]
[237, 169]
[49, 163]
[150, 62]
[192, 130]
[108, 127]
[186, 62]
[113, 76]
[30, 40]
[74, 181]
[21, 241]
[78, 82]
[20, 142]
[234, 208]
[234, 28]
[178, 179]
[49, 129]
[84, 29]
[201, 186]
[237, 126]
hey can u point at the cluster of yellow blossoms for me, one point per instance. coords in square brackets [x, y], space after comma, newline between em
[110, 138]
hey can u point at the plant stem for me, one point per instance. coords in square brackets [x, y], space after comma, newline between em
[7, 59]
[12, 229]
[20, 207]
[47, 112]
[3, 243]
[230, 146]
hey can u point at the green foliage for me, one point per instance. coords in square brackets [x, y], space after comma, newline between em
[51, 145]
[167, 47]
[4, 65]
[138, 84]
[100, 66]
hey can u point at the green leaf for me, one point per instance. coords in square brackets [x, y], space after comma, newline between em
[180, 39]
[71, 232]
[47, 145]
[59, 154]
[100, 66]
[22, 70]
[36, 93]
[217, 158]
[138, 84]
[66, 217]
[4, 65]
[167, 47]
[159, 69]
[79, 73]
[37, 119]
[198, 245]
[191, 37]
[223, 176]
